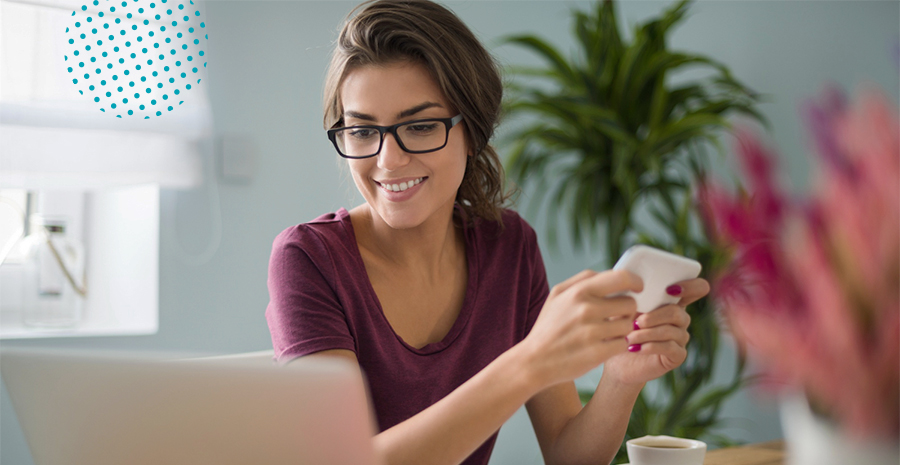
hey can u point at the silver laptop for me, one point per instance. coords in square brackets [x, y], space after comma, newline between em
[128, 409]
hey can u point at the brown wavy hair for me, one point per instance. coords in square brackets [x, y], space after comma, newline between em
[387, 31]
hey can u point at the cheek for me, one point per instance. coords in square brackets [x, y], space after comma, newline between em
[465, 158]
[457, 166]
[358, 167]
[359, 171]
[465, 139]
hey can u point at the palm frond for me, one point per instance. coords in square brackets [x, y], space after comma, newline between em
[546, 51]
[606, 133]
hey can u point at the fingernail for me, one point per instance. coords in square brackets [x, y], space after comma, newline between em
[634, 348]
[674, 290]
[636, 327]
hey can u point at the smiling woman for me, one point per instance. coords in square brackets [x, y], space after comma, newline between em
[463, 72]
[431, 286]
[403, 92]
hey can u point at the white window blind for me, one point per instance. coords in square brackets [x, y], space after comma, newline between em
[52, 137]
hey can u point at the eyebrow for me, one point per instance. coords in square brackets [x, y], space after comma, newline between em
[403, 114]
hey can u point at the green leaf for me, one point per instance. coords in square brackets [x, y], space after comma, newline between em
[546, 51]
[624, 74]
[675, 134]
[529, 71]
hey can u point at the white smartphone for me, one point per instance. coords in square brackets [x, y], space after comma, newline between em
[659, 269]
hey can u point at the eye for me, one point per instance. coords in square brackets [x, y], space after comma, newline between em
[362, 133]
[421, 128]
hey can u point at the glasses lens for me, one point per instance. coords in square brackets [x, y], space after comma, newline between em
[423, 135]
[358, 142]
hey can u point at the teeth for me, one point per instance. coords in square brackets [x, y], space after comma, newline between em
[402, 186]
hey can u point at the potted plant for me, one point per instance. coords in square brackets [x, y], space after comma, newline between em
[813, 287]
[617, 147]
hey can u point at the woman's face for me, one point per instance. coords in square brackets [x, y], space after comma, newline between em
[389, 94]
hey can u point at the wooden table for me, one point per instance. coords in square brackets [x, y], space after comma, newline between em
[764, 453]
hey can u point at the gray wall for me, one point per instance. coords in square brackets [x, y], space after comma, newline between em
[266, 65]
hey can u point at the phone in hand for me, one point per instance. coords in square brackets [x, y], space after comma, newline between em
[658, 269]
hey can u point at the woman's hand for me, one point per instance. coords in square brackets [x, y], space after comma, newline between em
[658, 340]
[581, 326]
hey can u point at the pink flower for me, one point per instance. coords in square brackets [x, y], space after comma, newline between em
[813, 289]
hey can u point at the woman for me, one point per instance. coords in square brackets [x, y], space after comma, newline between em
[431, 287]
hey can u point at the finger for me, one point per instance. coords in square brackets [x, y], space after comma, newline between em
[665, 333]
[674, 315]
[565, 285]
[607, 309]
[600, 330]
[692, 290]
[603, 341]
[594, 317]
[671, 354]
[616, 329]
[610, 347]
[610, 283]
[615, 308]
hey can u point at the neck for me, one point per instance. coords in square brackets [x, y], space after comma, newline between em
[427, 248]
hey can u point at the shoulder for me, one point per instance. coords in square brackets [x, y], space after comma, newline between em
[325, 229]
[514, 222]
[319, 241]
[512, 231]
[511, 225]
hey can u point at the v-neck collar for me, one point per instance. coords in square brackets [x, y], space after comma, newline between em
[468, 301]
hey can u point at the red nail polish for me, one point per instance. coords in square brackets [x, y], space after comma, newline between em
[636, 327]
[634, 348]
[674, 290]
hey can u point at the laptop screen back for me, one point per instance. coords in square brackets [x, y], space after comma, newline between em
[103, 409]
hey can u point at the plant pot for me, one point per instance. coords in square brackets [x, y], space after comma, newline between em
[813, 440]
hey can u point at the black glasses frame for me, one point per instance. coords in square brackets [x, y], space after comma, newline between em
[382, 130]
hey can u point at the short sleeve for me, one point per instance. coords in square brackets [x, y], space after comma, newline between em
[539, 287]
[304, 312]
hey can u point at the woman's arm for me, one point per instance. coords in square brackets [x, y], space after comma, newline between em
[451, 429]
[578, 329]
[570, 434]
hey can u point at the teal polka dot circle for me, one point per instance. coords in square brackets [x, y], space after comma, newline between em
[128, 57]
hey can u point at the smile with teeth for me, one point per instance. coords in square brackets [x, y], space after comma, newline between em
[401, 186]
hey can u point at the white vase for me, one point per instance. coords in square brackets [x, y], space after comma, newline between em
[50, 300]
[811, 440]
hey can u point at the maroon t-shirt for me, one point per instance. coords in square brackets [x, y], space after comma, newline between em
[321, 298]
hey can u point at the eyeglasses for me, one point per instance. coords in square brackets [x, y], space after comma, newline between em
[419, 136]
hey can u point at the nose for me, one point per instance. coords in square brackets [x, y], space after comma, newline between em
[392, 157]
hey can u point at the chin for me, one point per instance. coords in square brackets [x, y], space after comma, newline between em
[400, 218]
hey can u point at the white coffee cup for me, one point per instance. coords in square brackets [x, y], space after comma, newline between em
[665, 450]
